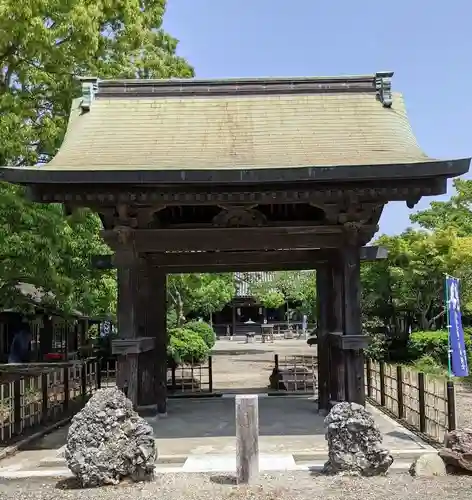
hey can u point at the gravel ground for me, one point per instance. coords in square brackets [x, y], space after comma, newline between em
[283, 486]
[464, 405]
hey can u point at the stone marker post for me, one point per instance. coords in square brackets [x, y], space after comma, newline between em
[247, 438]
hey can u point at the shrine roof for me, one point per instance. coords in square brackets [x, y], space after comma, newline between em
[243, 130]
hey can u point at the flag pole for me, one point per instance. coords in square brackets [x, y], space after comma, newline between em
[446, 305]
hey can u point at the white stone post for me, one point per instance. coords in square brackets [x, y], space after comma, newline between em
[247, 438]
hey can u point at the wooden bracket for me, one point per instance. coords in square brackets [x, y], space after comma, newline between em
[123, 347]
[348, 342]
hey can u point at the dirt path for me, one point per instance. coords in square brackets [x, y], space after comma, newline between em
[238, 366]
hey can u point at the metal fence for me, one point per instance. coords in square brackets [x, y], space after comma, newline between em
[44, 396]
[423, 402]
[296, 373]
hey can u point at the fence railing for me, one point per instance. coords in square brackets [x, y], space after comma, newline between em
[295, 373]
[424, 402]
[189, 378]
[43, 396]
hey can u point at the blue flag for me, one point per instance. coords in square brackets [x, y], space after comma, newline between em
[458, 352]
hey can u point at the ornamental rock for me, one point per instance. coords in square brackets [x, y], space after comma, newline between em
[354, 442]
[108, 441]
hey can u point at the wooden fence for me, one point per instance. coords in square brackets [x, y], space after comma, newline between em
[189, 378]
[43, 396]
[423, 402]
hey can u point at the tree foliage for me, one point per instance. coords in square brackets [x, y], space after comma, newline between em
[45, 45]
[284, 287]
[199, 293]
[406, 291]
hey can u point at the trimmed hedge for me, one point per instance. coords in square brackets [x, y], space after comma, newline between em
[186, 347]
[204, 330]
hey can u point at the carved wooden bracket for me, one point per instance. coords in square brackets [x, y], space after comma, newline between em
[362, 213]
[128, 215]
[239, 216]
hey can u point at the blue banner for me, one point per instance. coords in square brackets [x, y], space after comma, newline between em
[458, 353]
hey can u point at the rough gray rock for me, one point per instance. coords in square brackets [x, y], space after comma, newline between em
[457, 451]
[354, 442]
[428, 465]
[108, 441]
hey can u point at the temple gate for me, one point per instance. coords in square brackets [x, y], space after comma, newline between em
[244, 174]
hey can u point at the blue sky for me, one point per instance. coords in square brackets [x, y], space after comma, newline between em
[428, 45]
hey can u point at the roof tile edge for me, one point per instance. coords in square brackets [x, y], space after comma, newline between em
[376, 83]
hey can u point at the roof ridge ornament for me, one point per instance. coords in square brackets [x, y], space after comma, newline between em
[383, 86]
[89, 89]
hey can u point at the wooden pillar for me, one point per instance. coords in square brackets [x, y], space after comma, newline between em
[233, 327]
[335, 325]
[158, 329]
[323, 297]
[144, 305]
[354, 358]
[127, 369]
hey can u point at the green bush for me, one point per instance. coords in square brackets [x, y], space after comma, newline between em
[433, 345]
[204, 330]
[186, 347]
[430, 366]
[378, 347]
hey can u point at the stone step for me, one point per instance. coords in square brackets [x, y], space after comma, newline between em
[299, 458]
[278, 465]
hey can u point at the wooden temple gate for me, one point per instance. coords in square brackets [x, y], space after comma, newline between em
[250, 174]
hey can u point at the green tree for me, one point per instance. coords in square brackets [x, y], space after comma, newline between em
[45, 45]
[198, 293]
[408, 288]
[455, 213]
[287, 287]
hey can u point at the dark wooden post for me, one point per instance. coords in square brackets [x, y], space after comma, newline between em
[233, 326]
[401, 406]
[451, 406]
[127, 369]
[146, 360]
[335, 324]
[352, 345]
[422, 401]
[158, 325]
[323, 288]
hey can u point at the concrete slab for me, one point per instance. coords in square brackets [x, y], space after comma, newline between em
[227, 463]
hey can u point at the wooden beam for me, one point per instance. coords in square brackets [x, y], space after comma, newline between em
[229, 239]
[245, 261]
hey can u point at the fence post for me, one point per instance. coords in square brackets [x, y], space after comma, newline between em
[18, 426]
[369, 377]
[98, 364]
[382, 383]
[66, 388]
[451, 406]
[276, 362]
[45, 396]
[401, 407]
[83, 377]
[210, 374]
[173, 368]
[421, 401]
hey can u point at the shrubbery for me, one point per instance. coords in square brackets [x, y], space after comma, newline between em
[204, 330]
[186, 347]
[428, 351]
